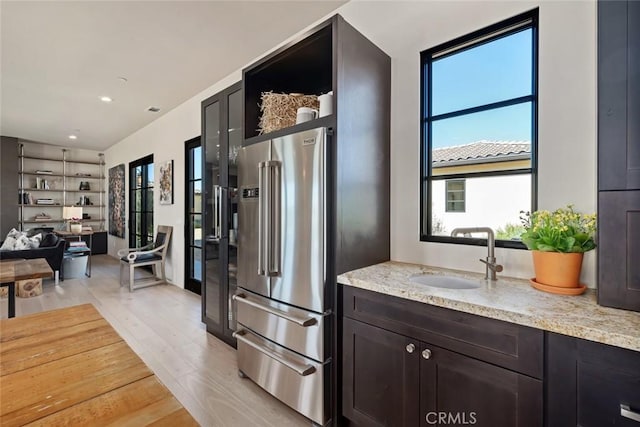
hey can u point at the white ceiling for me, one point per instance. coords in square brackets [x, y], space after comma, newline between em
[59, 57]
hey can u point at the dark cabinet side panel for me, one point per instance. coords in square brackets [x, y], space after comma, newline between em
[619, 249]
[380, 377]
[363, 90]
[8, 185]
[618, 95]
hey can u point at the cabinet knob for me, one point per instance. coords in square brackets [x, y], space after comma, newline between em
[426, 353]
[410, 348]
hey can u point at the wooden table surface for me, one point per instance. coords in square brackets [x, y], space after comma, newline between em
[12, 270]
[70, 367]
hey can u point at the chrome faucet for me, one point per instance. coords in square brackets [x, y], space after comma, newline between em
[490, 261]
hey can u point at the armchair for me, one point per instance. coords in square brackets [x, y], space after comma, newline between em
[153, 254]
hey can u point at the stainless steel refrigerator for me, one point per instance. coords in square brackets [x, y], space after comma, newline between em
[282, 308]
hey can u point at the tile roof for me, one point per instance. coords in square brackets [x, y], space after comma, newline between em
[482, 151]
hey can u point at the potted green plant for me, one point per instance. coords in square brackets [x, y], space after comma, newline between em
[558, 241]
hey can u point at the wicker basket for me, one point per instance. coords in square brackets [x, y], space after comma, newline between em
[279, 109]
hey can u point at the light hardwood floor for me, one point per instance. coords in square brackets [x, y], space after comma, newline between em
[162, 325]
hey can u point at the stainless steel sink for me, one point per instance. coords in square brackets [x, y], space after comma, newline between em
[445, 282]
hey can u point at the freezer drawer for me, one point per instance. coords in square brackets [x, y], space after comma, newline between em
[296, 329]
[295, 380]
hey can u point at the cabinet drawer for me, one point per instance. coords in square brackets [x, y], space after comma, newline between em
[511, 346]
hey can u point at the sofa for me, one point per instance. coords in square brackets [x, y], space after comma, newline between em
[53, 254]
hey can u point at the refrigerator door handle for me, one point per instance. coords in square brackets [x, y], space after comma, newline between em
[276, 219]
[262, 201]
[299, 368]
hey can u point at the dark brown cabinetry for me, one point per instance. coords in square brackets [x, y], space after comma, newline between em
[619, 154]
[619, 249]
[221, 140]
[591, 384]
[618, 95]
[412, 363]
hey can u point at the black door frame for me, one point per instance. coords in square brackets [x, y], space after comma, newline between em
[190, 283]
[144, 161]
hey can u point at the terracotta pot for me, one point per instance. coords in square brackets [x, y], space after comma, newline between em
[557, 268]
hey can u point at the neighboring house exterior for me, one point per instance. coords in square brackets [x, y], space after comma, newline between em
[492, 201]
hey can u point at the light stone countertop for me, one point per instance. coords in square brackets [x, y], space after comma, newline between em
[508, 299]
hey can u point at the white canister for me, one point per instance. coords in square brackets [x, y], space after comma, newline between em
[326, 104]
[305, 114]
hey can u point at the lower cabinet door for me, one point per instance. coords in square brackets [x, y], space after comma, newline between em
[459, 390]
[591, 384]
[380, 376]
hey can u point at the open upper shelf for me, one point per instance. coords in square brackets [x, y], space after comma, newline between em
[305, 66]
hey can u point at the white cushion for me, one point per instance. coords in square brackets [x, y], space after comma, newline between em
[35, 241]
[14, 233]
[9, 244]
[22, 242]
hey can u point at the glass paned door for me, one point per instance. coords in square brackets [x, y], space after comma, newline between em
[193, 215]
[212, 219]
[234, 140]
[141, 202]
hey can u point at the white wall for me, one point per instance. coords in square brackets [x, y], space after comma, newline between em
[567, 112]
[567, 120]
[490, 201]
[165, 138]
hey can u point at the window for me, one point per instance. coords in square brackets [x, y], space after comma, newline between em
[455, 195]
[478, 132]
[141, 202]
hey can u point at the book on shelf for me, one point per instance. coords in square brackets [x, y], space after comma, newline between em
[45, 202]
[25, 198]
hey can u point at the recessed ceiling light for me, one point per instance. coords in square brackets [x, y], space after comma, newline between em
[105, 99]
[73, 137]
[153, 109]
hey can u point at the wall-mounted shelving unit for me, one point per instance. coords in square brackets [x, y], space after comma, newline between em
[59, 180]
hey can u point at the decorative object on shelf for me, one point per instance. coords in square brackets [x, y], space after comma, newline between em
[166, 183]
[116, 201]
[306, 114]
[42, 217]
[73, 214]
[279, 110]
[558, 241]
[326, 104]
[84, 186]
[84, 201]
